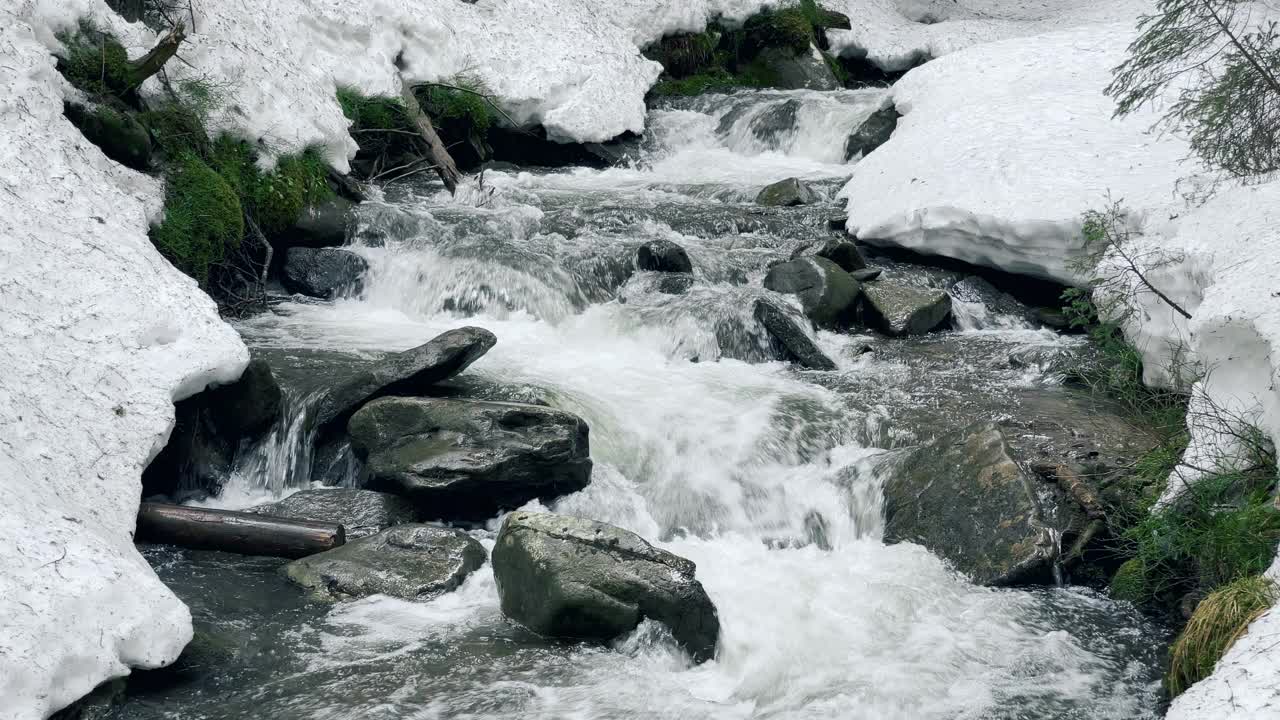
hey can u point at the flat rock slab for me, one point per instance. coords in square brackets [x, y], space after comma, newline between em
[569, 577]
[414, 562]
[470, 459]
[361, 512]
[899, 310]
[409, 372]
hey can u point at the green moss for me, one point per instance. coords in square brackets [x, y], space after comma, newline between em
[371, 112]
[273, 199]
[1219, 620]
[95, 62]
[786, 28]
[202, 217]
[177, 128]
[715, 80]
[463, 104]
[1130, 582]
[685, 55]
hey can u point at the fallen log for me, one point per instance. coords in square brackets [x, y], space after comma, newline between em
[237, 532]
[444, 164]
[151, 63]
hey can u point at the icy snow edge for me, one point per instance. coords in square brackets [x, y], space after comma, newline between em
[100, 336]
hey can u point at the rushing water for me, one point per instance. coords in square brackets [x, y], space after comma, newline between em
[698, 445]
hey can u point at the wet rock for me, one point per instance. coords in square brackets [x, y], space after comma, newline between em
[787, 193]
[408, 372]
[414, 562]
[841, 252]
[838, 222]
[568, 577]
[966, 499]
[673, 283]
[975, 289]
[872, 133]
[116, 133]
[866, 274]
[663, 256]
[784, 69]
[789, 340]
[463, 459]
[902, 310]
[360, 512]
[323, 272]
[323, 224]
[827, 293]
[208, 428]
[1053, 318]
[774, 122]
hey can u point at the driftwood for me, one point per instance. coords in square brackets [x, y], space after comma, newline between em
[1076, 487]
[237, 532]
[153, 62]
[444, 164]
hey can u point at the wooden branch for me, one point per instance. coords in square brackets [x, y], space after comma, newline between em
[1076, 487]
[151, 63]
[445, 166]
[237, 532]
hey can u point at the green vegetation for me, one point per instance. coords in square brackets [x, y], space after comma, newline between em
[1219, 620]
[713, 80]
[202, 217]
[462, 101]
[95, 62]
[789, 28]
[372, 113]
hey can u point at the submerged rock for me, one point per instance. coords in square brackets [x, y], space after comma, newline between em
[414, 562]
[568, 577]
[903, 310]
[408, 372]
[966, 499]
[663, 256]
[787, 193]
[872, 133]
[461, 459]
[360, 512]
[827, 293]
[790, 341]
[323, 272]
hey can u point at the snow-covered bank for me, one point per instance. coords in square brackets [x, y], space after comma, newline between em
[98, 336]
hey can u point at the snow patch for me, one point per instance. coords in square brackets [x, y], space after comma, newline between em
[86, 393]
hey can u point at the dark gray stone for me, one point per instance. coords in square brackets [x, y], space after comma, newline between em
[663, 256]
[409, 372]
[787, 193]
[774, 122]
[866, 274]
[414, 562]
[841, 252]
[790, 341]
[323, 224]
[673, 283]
[464, 459]
[784, 69]
[568, 577]
[978, 290]
[323, 272]
[900, 310]
[827, 293]
[116, 133]
[872, 133]
[966, 499]
[361, 512]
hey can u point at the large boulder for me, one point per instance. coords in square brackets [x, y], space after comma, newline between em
[414, 562]
[966, 498]
[872, 133]
[323, 272]
[785, 69]
[568, 577]
[360, 512]
[322, 224]
[408, 372]
[465, 459]
[208, 429]
[826, 293]
[787, 193]
[839, 251]
[789, 341]
[663, 256]
[899, 310]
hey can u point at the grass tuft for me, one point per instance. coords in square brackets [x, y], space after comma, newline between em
[203, 217]
[1219, 620]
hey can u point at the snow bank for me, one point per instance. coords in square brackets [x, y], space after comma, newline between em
[898, 34]
[100, 336]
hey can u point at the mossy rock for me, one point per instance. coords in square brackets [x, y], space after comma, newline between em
[685, 55]
[176, 128]
[203, 217]
[1130, 582]
[274, 199]
[95, 62]
[786, 29]
[120, 137]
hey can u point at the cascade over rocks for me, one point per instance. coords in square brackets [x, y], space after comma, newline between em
[407, 372]
[788, 340]
[208, 429]
[787, 193]
[899, 310]
[827, 293]
[872, 133]
[663, 256]
[569, 577]
[323, 272]
[414, 562]
[360, 512]
[965, 497]
[461, 459]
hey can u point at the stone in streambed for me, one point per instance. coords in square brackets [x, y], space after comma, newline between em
[826, 292]
[841, 252]
[663, 256]
[787, 193]
[322, 224]
[790, 341]
[872, 133]
[360, 512]
[464, 459]
[569, 577]
[866, 274]
[900, 310]
[323, 272]
[408, 372]
[414, 562]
